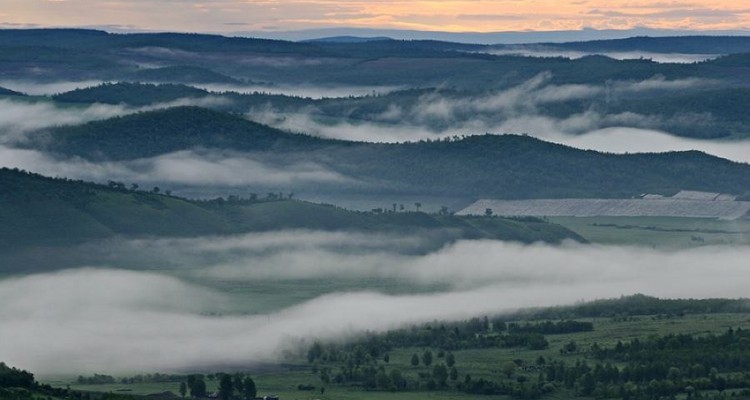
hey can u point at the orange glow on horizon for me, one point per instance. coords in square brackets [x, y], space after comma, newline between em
[428, 15]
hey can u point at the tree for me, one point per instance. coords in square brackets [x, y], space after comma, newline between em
[249, 391]
[198, 387]
[397, 378]
[509, 368]
[488, 212]
[450, 359]
[225, 387]
[387, 358]
[418, 205]
[427, 358]
[183, 389]
[414, 360]
[440, 373]
[454, 374]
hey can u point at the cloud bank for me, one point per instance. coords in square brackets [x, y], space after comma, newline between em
[19, 117]
[304, 91]
[662, 58]
[206, 168]
[101, 320]
[519, 110]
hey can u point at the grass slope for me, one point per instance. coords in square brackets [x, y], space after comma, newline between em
[38, 211]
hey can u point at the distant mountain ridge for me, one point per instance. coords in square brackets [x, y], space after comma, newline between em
[508, 37]
[348, 39]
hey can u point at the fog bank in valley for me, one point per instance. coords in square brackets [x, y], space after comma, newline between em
[304, 91]
[519, 110]
[103, 320]
[20, 117]
[207, 168]
[662, 58]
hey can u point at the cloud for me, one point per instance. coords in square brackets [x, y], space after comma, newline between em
[19, 117]
[543, 52]
[519, 110]
[113, 321]
[305, 91]
[47, 88]
[200, 167]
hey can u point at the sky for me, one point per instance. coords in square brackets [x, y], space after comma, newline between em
[228, 16]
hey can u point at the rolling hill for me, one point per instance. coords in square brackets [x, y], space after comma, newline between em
[134, 94]
[69, 54]
[483, 166]
[42, 215]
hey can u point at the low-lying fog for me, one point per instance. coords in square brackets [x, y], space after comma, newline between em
[662, 58]
[108, 321]
[519, 110]
[203, 168]
[34, 88]
[304, 91]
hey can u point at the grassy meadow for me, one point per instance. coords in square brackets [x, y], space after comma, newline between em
[659, 232]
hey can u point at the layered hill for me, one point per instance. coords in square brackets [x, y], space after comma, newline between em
[483, 166]
[135, 94]
[46, 213]
[70, 54]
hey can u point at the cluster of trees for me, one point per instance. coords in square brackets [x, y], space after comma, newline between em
[11, 377]
[371, 373]
[236, 386]
[551, 328]
[640, 304]
[96, 379]
[660, 367]
[360, 363]
[18, 384]
[251, 198]
[471, 334]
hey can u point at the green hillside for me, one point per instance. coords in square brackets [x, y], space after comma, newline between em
[135, 94]
[158, 132]
[181, 74]
[8, 92]
[495, 166]
[40, 212]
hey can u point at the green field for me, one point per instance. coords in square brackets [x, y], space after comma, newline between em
[661, 232]
[479, 363]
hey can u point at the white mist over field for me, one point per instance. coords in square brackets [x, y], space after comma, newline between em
[104, 320]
